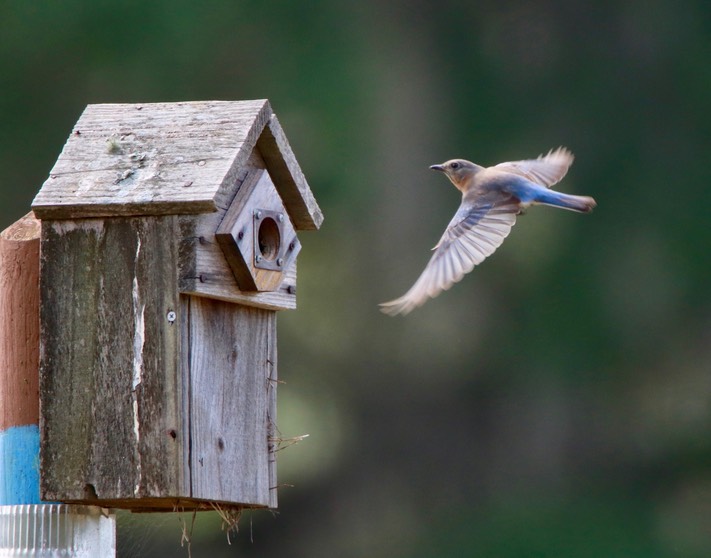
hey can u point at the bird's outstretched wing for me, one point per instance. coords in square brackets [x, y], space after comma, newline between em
[546, 170]
[476, 231]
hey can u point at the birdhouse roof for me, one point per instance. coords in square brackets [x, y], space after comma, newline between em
[170, 158]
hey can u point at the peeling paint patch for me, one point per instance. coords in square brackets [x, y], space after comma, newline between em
[139, 337]
[64, 227]
[139, 329]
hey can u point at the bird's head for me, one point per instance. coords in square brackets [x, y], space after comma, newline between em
[459, 171]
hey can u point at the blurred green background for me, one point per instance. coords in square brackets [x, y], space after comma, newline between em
[557, 402]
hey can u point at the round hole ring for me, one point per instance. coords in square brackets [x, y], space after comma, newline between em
[268, 239]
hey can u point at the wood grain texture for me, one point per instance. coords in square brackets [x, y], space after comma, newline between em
[273, 432]
[19, 323]
[231, 363]
[151, 159]
[110, 390]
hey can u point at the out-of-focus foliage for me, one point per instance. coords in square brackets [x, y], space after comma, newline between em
[555, 403]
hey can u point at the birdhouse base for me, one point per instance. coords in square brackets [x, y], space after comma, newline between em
[178, 505]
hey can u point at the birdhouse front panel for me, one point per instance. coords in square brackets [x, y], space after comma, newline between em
[169, 239]
[219, 250]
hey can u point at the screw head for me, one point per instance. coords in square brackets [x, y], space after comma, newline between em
[281, 217]
[257, 214]
[171, 316]
[257, 258]
[280, 262]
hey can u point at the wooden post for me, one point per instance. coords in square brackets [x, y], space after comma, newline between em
[19, 362]
[29, 527]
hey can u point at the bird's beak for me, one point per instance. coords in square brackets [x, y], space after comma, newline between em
[437, 168]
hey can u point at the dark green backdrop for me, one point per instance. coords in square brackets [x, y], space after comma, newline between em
[557, 402]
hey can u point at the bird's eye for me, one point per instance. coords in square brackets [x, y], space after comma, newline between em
[454, 166]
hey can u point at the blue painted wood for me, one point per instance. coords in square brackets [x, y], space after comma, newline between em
[19, 465]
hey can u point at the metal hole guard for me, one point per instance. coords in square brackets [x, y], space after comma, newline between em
[268, 234]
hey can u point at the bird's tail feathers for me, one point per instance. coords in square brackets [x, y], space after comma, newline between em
[581, 204]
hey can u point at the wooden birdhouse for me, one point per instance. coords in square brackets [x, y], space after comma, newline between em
[168, 244]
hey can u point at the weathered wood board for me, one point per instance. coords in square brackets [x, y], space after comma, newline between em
[157, 158]
[230, 414]
[287, 175]
[112, 403]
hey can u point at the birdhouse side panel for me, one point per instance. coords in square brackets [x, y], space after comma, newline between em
[232, 399]
[109, 387]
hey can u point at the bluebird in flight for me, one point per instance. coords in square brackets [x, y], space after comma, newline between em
[492, 197]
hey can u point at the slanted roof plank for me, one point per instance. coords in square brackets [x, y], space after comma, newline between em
[154, 159]
[288, 178]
